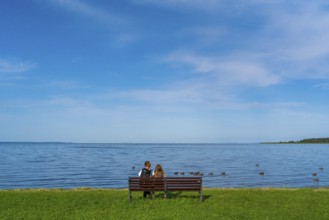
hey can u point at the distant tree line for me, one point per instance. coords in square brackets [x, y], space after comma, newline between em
[315, 140]
[307, 141]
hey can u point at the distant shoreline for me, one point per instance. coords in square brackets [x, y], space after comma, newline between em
[304, 141]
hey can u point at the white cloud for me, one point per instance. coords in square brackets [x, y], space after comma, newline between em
[206, 35]
[66, 103]
[292, 34]
[237, 6]
[67, 85]
[9, 66]
[189, 96]
[229, 72]
[303, 32]
[184, 96]
[88, 10]
[248, 73]
[289, 43]
[294, 38]
[199, 4]
[324, 86]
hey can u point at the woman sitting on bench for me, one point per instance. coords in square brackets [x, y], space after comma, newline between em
[158, 172]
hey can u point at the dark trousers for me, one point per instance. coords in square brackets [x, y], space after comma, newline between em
[146, 193]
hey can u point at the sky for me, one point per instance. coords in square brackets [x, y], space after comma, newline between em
[169, 71]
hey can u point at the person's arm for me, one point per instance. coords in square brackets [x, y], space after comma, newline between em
[140, 172]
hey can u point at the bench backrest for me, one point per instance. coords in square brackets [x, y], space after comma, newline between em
[165, 183]
[183, 183]
[146, 183]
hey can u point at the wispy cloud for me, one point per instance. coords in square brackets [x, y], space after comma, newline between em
[226, 71]
[88, 10]
[324, 86]
[66, 103]
[206, 35]
[295, 38]
[290, 42]
[67, 85]
[305, 29]
[210, 5]
[201, 4]
[195, 100]
[14, 66]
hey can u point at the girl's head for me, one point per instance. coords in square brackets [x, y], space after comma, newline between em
[158, 168]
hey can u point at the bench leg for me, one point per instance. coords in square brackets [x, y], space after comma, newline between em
[200, 196]
[129, 196]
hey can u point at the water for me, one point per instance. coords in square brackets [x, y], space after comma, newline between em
[66, 165]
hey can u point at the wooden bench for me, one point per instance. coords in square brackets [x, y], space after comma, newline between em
[165, 184]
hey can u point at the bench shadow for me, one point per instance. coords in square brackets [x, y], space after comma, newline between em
[174, 195]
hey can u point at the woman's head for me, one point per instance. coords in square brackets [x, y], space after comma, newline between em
[158, 172]
[158, 168]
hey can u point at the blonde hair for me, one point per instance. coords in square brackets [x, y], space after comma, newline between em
[158, 171]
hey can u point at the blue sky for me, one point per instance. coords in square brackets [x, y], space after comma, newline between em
[164, 71]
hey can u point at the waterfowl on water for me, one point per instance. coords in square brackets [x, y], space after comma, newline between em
[314, 174]
[210, 174]
[223, 173]
[261, 173]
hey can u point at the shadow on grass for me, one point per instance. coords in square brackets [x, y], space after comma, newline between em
[177, 195]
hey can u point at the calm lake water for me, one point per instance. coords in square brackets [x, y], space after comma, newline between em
[66, 165]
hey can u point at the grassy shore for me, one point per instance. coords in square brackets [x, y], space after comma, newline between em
[217, 204]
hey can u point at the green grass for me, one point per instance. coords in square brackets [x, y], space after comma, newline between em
[217, 204]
